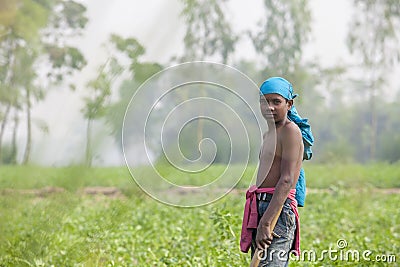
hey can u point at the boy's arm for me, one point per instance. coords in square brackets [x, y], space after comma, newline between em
[292, 148]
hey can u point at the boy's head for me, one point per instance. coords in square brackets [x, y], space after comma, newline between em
[276, 98]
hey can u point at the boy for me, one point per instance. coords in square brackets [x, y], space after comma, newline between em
[274, 193]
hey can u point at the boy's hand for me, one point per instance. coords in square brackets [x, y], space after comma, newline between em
[263, 237]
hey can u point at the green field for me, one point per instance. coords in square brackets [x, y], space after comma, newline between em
[64, 226]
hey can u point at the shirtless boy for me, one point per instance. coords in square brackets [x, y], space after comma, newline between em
[275, 187]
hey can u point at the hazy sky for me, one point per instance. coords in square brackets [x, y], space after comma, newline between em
[156, 24]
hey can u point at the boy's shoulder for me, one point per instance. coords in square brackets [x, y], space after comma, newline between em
[291, 129]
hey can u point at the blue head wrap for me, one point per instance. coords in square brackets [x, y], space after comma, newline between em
[278, 85]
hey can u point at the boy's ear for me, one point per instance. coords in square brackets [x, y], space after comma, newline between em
[290, 103]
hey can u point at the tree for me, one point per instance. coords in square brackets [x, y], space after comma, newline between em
[125, 63]
[34, 35]
[208, 36]
[208, 33]
[66, 22]
[21, 22]
[66, 19]
[98, 99]
[374, 40]
[282, 34]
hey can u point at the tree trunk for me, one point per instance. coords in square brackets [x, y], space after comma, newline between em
[88, 158]
[2, 129]
[13, 158]
[200, 122]
[29, 128]
[9, 77]
[374, 125]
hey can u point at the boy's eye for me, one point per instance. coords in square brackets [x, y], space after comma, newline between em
[277, 102]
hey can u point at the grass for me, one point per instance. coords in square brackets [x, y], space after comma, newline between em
[73, 229]
[380, 175]
[69, 178]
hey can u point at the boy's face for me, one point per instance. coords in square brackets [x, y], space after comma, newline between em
[274, 106]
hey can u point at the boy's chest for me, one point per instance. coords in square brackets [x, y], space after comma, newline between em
[271, 148]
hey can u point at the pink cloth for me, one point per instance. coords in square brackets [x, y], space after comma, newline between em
[250, 217]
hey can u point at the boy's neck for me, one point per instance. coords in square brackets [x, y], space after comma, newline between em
[281, 123]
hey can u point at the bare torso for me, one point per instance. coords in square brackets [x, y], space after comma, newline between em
[270, 153]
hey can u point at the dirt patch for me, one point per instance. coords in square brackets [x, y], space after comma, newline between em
[112, 192]
[318, 190]
[388, 191]
[41, 192]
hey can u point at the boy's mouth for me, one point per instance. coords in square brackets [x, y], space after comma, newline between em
[269, 114]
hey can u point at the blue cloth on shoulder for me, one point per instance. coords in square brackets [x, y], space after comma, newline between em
[305, 128]
[308, 141]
